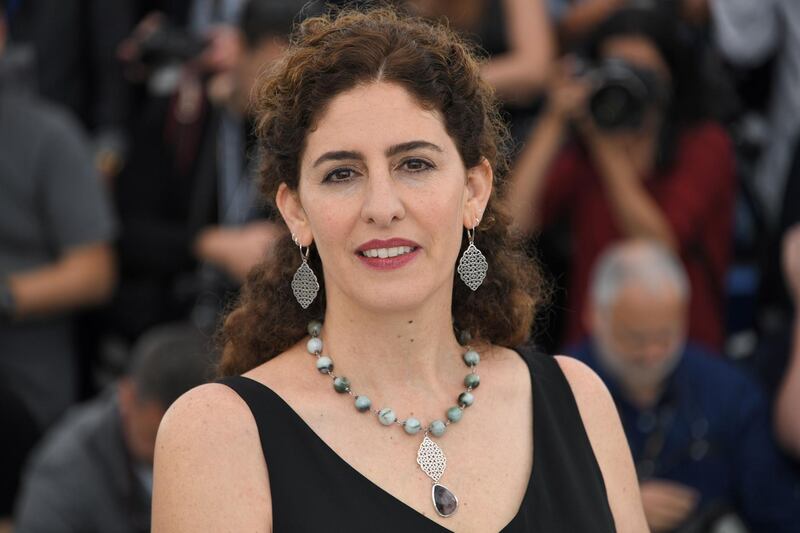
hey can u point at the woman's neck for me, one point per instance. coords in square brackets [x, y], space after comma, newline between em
[413, 351]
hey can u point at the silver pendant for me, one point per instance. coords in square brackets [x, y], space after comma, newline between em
[472, 267]
[432, 461]
[305, 285]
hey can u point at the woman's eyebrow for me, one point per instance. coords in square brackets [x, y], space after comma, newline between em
[338, 155]
[411, 145]
[342, 155]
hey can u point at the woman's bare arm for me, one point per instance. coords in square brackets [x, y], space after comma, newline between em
[209, 472]
[519, 74]
[582, 17]
[609, 444]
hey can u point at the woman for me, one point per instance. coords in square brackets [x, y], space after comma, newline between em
[654, 166]
[382, 147]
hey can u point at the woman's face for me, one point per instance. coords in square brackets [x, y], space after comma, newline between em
[385, 197]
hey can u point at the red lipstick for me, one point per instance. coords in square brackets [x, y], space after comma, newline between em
[387, 263]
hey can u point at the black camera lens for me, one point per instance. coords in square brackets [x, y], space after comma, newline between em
[615, 106]
[622, 94]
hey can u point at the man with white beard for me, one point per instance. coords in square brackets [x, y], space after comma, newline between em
[698, 427]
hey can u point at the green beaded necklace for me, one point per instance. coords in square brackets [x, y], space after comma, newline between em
[430, 457]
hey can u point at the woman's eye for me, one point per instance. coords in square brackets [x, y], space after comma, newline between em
[416, 165]
[339, 174]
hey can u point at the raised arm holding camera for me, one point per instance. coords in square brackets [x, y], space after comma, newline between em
[641, 159]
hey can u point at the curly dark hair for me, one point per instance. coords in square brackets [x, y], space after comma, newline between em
[329, 55]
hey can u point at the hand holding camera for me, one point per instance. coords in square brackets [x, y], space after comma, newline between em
[567, 94]
[615, 94]
[156, 42]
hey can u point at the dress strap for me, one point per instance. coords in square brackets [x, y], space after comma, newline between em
[569, 483]
[270, 412]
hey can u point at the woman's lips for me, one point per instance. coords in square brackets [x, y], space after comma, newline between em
[387, 254]
[388, 263]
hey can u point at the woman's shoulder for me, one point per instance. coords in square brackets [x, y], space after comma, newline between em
[221, 411]
[602, 424]
[583, 381]
[556, 376]
[204, 424]
[209, 470]
[556, 370]
[595, 404]
[203, 404]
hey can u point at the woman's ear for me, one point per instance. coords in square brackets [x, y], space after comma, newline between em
[288, 202]
[480, 180]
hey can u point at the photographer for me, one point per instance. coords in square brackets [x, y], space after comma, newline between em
[197, 36]
[191, 224]
[643, 161]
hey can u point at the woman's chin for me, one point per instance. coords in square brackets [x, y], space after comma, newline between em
[391, 298]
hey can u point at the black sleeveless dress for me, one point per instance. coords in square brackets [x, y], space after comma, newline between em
[313, 489]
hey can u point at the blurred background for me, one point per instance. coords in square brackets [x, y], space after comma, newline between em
[656, 177]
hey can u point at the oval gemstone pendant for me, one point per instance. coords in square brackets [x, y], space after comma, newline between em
[444, 501]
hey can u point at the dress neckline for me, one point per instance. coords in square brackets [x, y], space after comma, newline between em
[324, 445]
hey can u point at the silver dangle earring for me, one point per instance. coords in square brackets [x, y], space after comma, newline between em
[472, 266]
[304, 283]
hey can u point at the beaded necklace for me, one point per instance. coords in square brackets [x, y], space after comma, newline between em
[430, 456]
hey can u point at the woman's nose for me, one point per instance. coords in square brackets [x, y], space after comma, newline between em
[382, 202]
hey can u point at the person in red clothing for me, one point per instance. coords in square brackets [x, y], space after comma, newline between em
[643, 162]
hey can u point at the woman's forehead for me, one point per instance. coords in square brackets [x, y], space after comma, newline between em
[375, 116]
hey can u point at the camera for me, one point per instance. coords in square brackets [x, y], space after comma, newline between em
[621, 94]
[169, 44]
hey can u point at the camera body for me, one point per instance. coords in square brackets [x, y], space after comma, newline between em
[622, 93]
[169, 44]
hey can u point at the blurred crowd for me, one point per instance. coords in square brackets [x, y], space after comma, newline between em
[655, 173]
